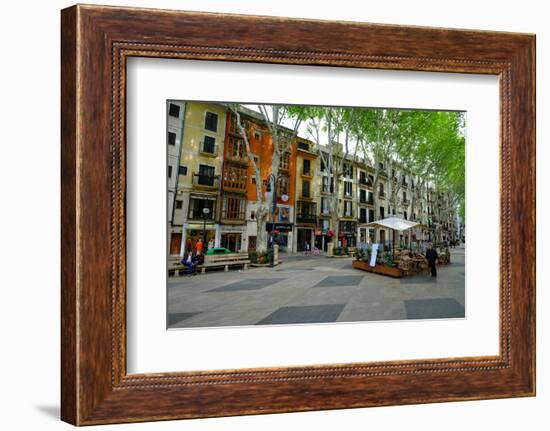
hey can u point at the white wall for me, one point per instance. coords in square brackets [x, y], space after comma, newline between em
[30, 297]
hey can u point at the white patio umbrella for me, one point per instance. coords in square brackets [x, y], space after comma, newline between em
[393, 223]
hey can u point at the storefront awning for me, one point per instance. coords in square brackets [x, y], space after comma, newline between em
[394, 223]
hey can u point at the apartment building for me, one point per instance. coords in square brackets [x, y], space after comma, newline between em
[197, 204]
[175, 116]
[307, 195]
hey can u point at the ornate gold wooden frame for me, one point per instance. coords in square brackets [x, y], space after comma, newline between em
[95, 42]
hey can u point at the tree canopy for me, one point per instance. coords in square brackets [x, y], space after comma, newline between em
[429, 143]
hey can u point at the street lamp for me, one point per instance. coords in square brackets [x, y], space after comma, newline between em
[205, 212]
[272, 195]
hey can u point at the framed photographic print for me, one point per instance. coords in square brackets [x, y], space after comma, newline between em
[317, 215]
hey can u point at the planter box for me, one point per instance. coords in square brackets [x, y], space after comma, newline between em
[378, 269]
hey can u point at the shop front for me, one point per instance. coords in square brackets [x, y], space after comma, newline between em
[347, 236]
[234, 238]
[305, 235]
[283, 235]
[192, 232]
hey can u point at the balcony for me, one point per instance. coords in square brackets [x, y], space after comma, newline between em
[406, 202]
[365, 182]
[234, 179]
[306, 212]
[239, 158]
[365, 201]
[326, 189]
[382, 195]
[206, 181]
[233, 216]
[307, 173]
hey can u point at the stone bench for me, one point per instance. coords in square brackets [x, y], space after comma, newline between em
[225, 261]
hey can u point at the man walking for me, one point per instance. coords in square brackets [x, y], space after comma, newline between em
[432, 257]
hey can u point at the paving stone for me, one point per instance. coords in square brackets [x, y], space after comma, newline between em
[174, 318]
[303, 314]
[435, 308]
[248, 284]
[418, 279]
[340, 280]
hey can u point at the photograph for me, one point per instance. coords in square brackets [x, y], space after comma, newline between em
[300, 214]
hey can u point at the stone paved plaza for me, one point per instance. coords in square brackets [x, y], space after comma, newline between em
[313, 289]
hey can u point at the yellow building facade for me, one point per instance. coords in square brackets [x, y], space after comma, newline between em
[197, 204]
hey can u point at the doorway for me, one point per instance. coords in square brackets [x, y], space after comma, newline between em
[175, 243]
[231, 241]
[304, 235]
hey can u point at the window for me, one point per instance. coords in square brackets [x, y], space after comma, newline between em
[206, 175]
[236, 149]
[209, 145]
[363, 196]
[307, 167]
[211, 121]
[182, 170]
[348, 208]
[348, 170]
[370, 198]
[324, 205]
[323, 166]
[381, 188]
[257, 134]
[303, 146]
[234, 177]
[347, 188]
[404, 196]
[233, 208]
[305, 189]
[325, 185]
[169, 171]
[285, 161]
[405, 215]
[174, 110]
[196, 206]
[381, 212]
[171, 138]
[363, 215]
[179, 204]
[371, 216]
[283, 185]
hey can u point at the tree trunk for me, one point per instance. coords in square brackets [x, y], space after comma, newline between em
[261, 233]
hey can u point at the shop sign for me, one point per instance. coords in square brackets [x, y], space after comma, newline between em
[281, 227]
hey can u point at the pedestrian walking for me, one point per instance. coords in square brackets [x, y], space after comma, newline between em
[306, 248]
[431, 255]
